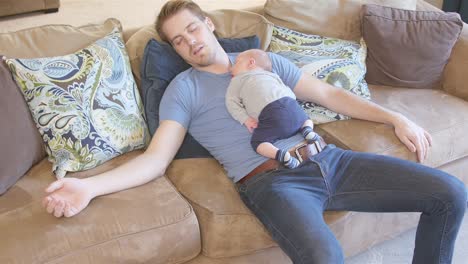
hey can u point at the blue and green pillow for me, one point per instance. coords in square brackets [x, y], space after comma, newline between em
[86, 105]
[338, 62]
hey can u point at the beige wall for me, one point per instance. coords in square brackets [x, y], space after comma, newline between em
[132, 13]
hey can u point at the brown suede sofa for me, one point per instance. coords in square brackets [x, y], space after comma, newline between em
[14, 7]
[193, 214]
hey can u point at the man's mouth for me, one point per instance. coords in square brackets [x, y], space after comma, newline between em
[197, 50]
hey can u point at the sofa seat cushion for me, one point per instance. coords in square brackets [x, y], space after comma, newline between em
[152, 223]
[228, 228]
[444, 116]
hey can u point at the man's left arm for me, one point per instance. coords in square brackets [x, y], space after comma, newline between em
[311, 89]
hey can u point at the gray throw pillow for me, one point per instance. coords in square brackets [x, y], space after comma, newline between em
[408, 48]
[20, 142]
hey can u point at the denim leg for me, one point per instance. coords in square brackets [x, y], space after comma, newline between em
[373, 183]
[290, 205]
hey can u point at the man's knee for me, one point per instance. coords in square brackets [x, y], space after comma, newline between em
[456, 194]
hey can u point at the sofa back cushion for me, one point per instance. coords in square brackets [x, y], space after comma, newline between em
[52, 40]
[331, 18]
[19, 139]
[408, 48]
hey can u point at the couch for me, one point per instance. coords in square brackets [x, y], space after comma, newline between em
[14, 7]
[193, 214]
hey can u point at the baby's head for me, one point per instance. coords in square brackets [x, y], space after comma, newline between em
[251, 60]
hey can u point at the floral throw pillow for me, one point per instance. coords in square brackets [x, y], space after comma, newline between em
[338, 62]
[86, 105]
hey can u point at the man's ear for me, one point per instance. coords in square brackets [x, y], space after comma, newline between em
[210, 24]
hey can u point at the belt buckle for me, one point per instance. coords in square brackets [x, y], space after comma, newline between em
[316, 144]
[298, 154]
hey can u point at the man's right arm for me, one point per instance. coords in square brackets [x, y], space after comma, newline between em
[69, 196]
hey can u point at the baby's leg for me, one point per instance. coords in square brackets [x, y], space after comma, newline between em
[307, 131]
[270, 151]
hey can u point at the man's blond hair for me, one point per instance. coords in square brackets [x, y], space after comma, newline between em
[173, 7]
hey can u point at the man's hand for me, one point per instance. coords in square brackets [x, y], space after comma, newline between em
[251, 124]
[67, 197]
[413, 136]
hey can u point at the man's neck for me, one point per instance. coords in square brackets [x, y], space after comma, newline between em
[221, 64]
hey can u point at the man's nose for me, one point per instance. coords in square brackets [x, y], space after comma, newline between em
[192, 41]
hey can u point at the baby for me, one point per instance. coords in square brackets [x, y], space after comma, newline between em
[258, 99]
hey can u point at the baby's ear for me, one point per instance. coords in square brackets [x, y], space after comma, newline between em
[252, 62]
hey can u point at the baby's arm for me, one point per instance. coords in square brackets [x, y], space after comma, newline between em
[234, 104]
[251, 123]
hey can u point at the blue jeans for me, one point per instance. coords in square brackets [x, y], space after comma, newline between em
[290, 202]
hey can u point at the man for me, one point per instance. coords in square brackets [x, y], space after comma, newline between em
[289, 202]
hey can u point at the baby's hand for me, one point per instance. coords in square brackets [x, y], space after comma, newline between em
[251, 124]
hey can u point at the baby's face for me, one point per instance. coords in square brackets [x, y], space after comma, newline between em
[241, 65]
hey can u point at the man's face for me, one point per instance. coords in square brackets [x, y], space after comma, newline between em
[243, 63]
[192, 38]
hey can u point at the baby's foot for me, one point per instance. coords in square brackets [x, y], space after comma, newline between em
[288, 161]
[309, 135]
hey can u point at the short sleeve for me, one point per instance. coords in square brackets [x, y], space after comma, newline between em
[286, 70]
[175, 103]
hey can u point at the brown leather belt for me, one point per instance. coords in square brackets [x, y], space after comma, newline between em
[301, 152]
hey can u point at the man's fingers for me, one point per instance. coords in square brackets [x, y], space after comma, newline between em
[45, 201]
[427, 145]
[51, 205]
[428, 138]
[409, 144]
[69, 211]
[54, 186]
[58, 211]
[422, 150]
[419, 148]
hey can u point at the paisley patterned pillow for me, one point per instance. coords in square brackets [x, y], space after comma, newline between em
[338, 62]
[86, 105]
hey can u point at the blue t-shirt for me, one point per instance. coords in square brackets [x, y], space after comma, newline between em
[196, 100]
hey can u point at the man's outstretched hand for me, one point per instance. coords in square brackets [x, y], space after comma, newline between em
[66, 197]
[415, 138]
[251, 124]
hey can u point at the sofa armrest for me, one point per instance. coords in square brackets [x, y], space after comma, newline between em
[455, 79]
